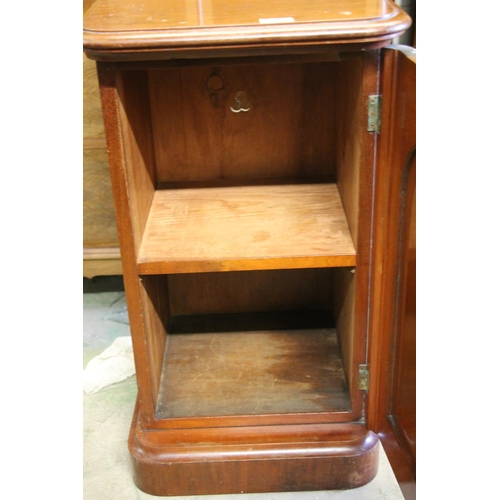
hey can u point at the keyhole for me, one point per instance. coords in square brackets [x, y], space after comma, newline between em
[240, 103]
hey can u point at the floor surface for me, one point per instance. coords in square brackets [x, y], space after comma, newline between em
[107, 473]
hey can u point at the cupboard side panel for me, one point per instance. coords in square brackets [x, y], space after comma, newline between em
[344, 294]
[141, 183]
[131, 197]
[154, 295]
[355, 149]
[110, 100]
[347, 139]
[138, 147]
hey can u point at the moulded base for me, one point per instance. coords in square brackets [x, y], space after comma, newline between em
[258, 459]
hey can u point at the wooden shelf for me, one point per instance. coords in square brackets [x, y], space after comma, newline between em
[251, 373]
[240, 228]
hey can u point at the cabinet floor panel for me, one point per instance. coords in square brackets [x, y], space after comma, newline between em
[252, 373]
[246, 228]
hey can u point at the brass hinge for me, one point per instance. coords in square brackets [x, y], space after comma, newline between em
[363, 377]
[374, 111]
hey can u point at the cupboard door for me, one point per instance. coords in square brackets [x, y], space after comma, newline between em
[392, 395]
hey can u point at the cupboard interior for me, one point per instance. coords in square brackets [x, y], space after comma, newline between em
[228, 127]
[253, 342]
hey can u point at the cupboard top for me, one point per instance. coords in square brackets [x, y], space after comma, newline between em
[146, 29]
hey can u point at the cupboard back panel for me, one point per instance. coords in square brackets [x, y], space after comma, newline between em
[241, 292]
[287, 130]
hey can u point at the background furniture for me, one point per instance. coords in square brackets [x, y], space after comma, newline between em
[101, 252]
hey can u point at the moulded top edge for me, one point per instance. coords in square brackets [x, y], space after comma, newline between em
[115, 25]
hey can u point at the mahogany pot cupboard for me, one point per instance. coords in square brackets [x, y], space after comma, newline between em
[262, 161]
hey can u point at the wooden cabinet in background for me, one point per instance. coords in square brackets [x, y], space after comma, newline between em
[101, 252]
[265, 247]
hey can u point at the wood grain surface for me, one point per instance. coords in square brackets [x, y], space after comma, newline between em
[256, 373]
[246, 227]
[286, 132]
[93, 126]
[101, 253]
[252, 459]
[124, 29]
[251, 291]
[391, 409]
[99, 219]
[262, 409]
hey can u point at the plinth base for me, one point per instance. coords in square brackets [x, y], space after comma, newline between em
[257, 459]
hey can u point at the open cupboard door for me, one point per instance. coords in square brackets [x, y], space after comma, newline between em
[392, 352]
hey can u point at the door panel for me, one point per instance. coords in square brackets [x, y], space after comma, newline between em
[391, 410]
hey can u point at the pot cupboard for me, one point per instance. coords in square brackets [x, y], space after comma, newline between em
[262, 162]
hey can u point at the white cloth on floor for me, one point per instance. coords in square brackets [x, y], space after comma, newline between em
[114, 364]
